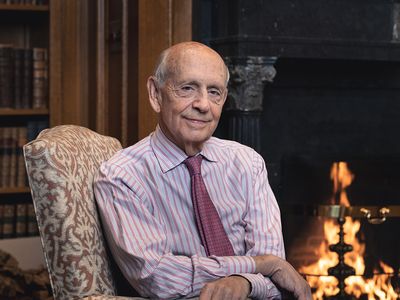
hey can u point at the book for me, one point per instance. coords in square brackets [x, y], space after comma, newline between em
[8, 220]
[40, 78]
[7, 150]
[18, 76]
[13, 157]
[40, 126]
[21, 170]
[34, 128]
[6, 76]
[27, 78]
[21, 219]
[31, 128]
[32, 228]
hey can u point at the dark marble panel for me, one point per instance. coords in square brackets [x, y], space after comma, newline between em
[355, 29]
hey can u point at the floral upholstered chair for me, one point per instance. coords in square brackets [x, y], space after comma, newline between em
[61, 163]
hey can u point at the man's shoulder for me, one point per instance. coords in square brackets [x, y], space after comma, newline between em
[229, 146]
[131, 155]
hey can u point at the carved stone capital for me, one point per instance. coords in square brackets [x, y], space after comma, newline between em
[247, 78]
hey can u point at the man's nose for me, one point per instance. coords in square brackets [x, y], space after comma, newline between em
[201, 101]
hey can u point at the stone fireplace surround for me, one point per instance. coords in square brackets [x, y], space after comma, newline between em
[313, 82]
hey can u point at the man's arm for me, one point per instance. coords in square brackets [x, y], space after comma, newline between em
[228, 288]
[264, 240]
[238, 288]
[284, 275]
[140, 244]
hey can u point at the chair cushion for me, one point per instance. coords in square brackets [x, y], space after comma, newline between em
[61, 164]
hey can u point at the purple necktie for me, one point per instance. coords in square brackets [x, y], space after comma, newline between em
[212, 233]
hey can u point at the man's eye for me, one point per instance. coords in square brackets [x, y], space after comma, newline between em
[215, 93]
[185, 91]
[187, 88]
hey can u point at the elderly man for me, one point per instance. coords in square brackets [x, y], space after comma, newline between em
[180, 230]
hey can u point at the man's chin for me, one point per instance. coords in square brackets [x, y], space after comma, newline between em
[194, 144]
[197, 137]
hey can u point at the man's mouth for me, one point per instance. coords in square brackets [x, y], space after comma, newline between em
[198, 121]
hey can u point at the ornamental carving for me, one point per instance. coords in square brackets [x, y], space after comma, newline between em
[247, 78]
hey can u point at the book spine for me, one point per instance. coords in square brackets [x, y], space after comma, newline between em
[18, 76]
[27, 78]
[6, 76]
[32, 229]
[7, 153]
[31, 128]
[40, 126]
[21, 171]
[8, 221]
[40, 78]
[13, 157]
[21, 219]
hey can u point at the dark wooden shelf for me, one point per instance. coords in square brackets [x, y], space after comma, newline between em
[24, 7]
[24, 112]
[14, 190]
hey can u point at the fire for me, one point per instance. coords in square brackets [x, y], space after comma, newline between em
[377, 287]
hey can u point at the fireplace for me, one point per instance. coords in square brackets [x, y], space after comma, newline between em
[313, 84]
[367, 186]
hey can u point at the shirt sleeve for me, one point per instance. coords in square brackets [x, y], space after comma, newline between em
[141, 248]
[263, 229]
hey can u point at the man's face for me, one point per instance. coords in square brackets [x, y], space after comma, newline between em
[192, 98]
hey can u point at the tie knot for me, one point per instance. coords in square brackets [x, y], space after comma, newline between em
[193, 164]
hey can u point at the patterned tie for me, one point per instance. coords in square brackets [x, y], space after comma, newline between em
[212, 233]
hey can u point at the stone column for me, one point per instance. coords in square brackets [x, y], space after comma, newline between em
[244, 105]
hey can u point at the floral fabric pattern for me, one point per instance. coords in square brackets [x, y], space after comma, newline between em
[61, 163]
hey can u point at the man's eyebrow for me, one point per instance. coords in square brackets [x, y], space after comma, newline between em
[218, 87]
[198, 84]
[188, 82]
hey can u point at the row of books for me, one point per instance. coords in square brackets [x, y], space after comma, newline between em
[23, 77]
[17, 220]
[12, 164]
[31, 2]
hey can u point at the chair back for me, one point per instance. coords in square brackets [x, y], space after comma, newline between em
[61, 163]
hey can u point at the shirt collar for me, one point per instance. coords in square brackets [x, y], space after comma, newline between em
[170, 155]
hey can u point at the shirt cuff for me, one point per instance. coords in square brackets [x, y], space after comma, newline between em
[245, 266]
[236, 264]
[261, 287]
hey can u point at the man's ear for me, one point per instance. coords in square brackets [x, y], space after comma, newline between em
[154, 94]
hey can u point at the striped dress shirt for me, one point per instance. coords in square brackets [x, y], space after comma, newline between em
[144, 198]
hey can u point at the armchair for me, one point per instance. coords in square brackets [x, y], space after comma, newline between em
[61, 163]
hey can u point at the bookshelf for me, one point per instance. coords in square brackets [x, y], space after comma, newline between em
[24, 106]
[14, 190]
[24, 7]
[24, 112]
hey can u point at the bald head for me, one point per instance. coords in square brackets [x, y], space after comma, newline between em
[171, 59]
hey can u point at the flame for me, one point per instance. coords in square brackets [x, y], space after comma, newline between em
[377, 287]
[342, 178]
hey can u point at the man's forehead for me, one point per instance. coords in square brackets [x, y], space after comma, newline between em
[194, 76]
[199, 53]
[193, 62]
